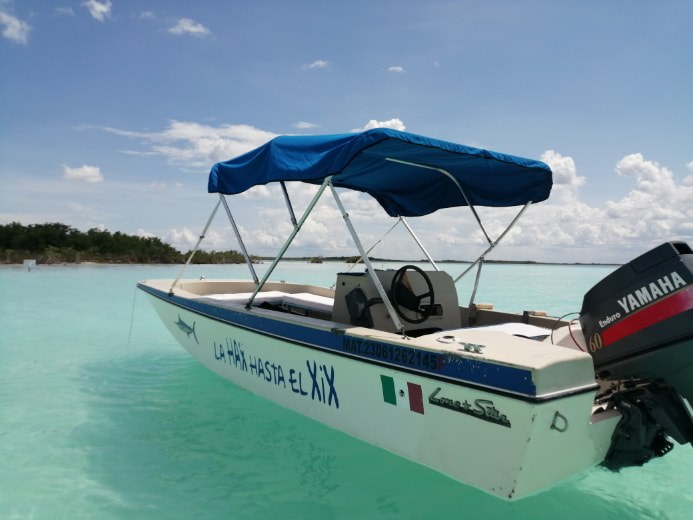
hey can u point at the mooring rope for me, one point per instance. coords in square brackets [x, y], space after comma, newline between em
[132, 315]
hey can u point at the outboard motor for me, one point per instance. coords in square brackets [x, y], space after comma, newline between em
[638, 325]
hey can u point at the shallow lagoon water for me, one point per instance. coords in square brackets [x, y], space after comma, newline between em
[104, 415]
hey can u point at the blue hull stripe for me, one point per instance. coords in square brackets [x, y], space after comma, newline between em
[448, 366]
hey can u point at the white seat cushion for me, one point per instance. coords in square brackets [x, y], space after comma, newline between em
[309, 301]
[272, 297]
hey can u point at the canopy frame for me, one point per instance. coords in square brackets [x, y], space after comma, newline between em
[455, 182]
[248, 260]
[289, 240]
[197, 246]
[373, 138]
[298, 224]
[369, 267]
[403, 221]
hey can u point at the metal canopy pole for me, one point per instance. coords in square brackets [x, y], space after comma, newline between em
[371, 272]
[286, 245]
[476, 283]
[238, 237]
[416, 239]
[495, 243]
[199, 241]
[374, 245]
[492, 243]
[288, 203]
[452, 178]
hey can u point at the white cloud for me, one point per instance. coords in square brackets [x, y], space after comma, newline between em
[317, 64]
[260, 192]
[99, 10]
[395, 124]
[83, 173]
[197, 146]
[649, 176]
[658, 206]
[138, 153]
[688, 181]
[182, 239]
[14, 29]
[185, 239]
[564, 170]
[66, 11]
[304, 125]
[656, 209]
[144, 233]
[188, 26]
[565, 178]
[147, 15]
[396, 68]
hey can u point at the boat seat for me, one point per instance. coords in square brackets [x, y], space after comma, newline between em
[308, 301]
[270, 297]
[289, 301]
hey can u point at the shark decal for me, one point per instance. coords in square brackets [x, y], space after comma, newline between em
[187, 328]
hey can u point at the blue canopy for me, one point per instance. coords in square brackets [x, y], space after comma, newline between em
[358, 162]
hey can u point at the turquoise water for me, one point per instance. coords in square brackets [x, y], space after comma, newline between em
[94, 426]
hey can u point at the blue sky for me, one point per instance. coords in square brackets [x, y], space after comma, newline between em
[112, 113]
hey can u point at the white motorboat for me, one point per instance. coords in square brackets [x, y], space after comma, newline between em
[508, 403]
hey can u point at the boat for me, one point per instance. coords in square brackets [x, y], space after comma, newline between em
[510, 403]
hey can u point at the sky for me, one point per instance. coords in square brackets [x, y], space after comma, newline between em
[113, 111]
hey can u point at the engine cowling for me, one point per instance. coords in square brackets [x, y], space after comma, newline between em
[638, 324]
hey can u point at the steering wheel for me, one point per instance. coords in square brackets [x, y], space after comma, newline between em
[403, 297]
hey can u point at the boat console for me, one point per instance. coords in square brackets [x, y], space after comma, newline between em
[424, 300]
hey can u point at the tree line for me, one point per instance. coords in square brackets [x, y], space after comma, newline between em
[58, 243]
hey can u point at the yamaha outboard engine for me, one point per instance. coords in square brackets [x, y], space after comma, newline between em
[638, 325]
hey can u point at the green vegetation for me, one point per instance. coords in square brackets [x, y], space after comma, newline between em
[218, 257]
[58, 243]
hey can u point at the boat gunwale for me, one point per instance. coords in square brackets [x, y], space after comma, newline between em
[198, 308]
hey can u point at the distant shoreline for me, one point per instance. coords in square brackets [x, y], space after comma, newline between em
[59, 244]
[308, 261]
[449, 261]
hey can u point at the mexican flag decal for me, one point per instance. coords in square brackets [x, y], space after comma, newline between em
[402, 394]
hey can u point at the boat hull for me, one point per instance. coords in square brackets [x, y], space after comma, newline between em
[506, 445]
